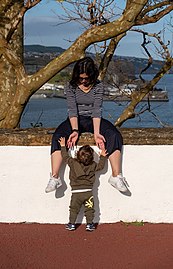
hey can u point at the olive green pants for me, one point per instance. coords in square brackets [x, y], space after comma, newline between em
[77, 200]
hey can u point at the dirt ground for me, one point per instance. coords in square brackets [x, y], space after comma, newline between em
[119, 246]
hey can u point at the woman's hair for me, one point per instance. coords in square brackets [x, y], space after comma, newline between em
[85, 155]
[87, 66]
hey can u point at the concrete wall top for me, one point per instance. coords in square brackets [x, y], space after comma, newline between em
[42, 136]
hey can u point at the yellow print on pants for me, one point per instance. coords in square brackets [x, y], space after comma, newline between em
[89, 203]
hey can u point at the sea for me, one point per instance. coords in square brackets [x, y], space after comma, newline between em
[50, 112]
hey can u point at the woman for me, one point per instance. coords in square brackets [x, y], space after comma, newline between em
[84, 101]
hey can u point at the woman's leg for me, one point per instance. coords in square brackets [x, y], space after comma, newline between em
[115, 161]
[63, 130]
[116, 179]
[56, 160]
[54, 181]
[113, 145]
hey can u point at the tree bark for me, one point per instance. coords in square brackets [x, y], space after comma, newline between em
[11, 59]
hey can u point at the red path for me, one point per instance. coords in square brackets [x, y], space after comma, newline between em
[46, 246]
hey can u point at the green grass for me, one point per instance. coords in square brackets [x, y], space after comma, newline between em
[61, 77]
[134, 223]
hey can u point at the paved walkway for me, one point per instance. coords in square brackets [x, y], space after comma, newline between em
[110, 246]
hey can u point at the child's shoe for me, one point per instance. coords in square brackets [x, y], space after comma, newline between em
[118, 182]
[70, 227]
[53, 184]
[90, 227]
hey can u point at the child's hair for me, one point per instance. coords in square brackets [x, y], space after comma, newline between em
[85, 155]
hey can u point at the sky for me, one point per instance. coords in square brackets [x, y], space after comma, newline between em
[41, 27]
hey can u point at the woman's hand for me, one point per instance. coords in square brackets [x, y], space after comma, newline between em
[72, 139]
[100, 141]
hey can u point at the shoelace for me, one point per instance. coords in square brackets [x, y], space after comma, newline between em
[121, 182]
[125, 181]
[51, 183]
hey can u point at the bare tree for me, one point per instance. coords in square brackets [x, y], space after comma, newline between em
[16, 86]
[146, 87]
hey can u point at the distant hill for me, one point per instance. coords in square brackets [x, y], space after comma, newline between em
[43, 49]
[140, 63]
[32, 50]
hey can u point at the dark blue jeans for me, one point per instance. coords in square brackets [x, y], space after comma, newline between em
[113, 137]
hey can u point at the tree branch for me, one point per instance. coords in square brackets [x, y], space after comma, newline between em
[153, 18]
[138, 96]
[154, 7]
[108, 55]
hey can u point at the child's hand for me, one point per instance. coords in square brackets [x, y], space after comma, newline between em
[103, 152]
[62, 141]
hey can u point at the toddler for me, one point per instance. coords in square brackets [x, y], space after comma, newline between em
[82, 178]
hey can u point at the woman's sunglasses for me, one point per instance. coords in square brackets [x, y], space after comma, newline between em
[84, 78]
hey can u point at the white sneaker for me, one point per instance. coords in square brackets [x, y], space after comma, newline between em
[118, 182]
[53, 184]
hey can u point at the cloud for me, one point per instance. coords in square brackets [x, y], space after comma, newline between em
[44, 30]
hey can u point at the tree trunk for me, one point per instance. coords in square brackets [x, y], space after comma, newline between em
[10, 64]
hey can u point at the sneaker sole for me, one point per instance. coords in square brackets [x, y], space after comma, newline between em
[47, 191]
[90, 230]
[70, 229]
[118, 188]
[58, 186]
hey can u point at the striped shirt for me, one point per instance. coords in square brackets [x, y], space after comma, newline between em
[85, 104]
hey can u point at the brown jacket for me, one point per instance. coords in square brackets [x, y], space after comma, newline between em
[82, 176]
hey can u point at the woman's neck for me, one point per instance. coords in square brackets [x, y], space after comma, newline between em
[85, 88]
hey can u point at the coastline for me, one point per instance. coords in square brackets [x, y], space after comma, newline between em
[155, 96]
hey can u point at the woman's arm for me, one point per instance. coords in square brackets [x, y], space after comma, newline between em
[75, 132]
[96, 125]
[74, 123]
[71, 101]
[72, 113]
[98, 100]
[99, 139]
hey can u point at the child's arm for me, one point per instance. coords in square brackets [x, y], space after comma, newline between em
[103, 152]
[101, 163]
[64, 152]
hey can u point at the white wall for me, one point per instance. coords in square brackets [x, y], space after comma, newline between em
[24, 173]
